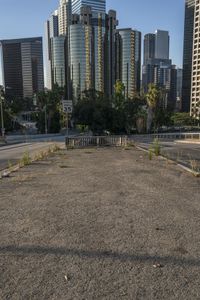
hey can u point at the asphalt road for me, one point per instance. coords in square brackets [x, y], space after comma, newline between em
[184, 153]
[13, 153]
[100, 224]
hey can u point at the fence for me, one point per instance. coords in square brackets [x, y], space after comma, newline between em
[169, 136]
[95, 141]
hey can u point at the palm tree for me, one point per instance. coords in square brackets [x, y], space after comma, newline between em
[152, 98]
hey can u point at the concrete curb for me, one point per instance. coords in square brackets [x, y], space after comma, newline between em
[194, 173]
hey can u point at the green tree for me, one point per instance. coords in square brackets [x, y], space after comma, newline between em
[50, 101]
[183, 119]
[152, 98]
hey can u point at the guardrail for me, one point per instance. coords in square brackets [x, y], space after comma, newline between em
[95, 141]
[169, 136]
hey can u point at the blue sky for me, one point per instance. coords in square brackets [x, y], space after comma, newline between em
[25, 18]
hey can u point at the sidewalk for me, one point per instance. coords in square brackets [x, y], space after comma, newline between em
[100, 224]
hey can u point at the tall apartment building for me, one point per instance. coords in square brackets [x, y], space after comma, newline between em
[195, 90]
[22, 67]
[187, 54]
[130, 61]
[96, 5]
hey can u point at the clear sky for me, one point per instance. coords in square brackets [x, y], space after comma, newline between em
[25, 18]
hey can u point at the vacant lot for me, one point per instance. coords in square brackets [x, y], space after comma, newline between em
[100, 224]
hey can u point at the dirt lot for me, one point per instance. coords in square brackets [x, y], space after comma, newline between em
[100, 224]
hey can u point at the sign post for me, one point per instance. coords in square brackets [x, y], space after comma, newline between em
[67, 109]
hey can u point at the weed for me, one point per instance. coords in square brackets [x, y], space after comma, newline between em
[150, 153]
[26, 159]
[194, 165]
[156, 147]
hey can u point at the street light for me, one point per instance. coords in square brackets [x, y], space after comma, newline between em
[2, 119]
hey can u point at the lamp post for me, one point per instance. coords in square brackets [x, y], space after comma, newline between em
[2, 118]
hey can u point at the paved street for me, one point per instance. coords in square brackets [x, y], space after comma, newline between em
[100, 224]
[178, 151]
[13, 153]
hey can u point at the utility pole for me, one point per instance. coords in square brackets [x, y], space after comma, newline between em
[2, 119]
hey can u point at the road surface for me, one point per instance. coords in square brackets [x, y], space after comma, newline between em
[11, 154]
[184, 153]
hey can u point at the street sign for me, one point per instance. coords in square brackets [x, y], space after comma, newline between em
[67, 106]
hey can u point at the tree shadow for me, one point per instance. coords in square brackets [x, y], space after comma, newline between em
[87, 254]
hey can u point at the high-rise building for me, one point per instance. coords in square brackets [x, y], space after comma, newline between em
[149, 47]
[96, 5]
[110, 52]
[57, 47]
[179, 84]
[51, 31]
[158, 68]
[187, 54]
[22, 67]
[58, 61]
[162, 44]
[195, 86]
[130, 60]
[81, 54]
[64, 16]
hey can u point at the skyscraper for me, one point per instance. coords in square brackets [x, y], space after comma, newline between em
[130, 60]
[81, 43]
[149, 47]
[51, 31]
[187, 54]
[195, 86]
[64, 16]
[96, 5]
[162, 44]
[110, 52]
[158, 68]
[22, 67]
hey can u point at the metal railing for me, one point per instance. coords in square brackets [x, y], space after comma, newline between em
[95, 141]
[169, 136]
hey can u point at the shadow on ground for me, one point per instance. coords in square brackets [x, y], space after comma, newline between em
[122, 257]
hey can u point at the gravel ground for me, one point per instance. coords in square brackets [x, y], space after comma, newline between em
[100, 224]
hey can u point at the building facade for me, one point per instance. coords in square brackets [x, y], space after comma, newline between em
[96, 5]
[149, 47]
[130, 43]
[162, 44]
[64, 16]
[187, 54]
[22, 67]
[195, 90]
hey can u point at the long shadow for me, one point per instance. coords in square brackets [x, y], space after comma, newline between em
[115, 256]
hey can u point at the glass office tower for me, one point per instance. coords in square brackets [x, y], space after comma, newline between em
[80, 59]
[22, 67]
[96, 5]
[58, 49]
